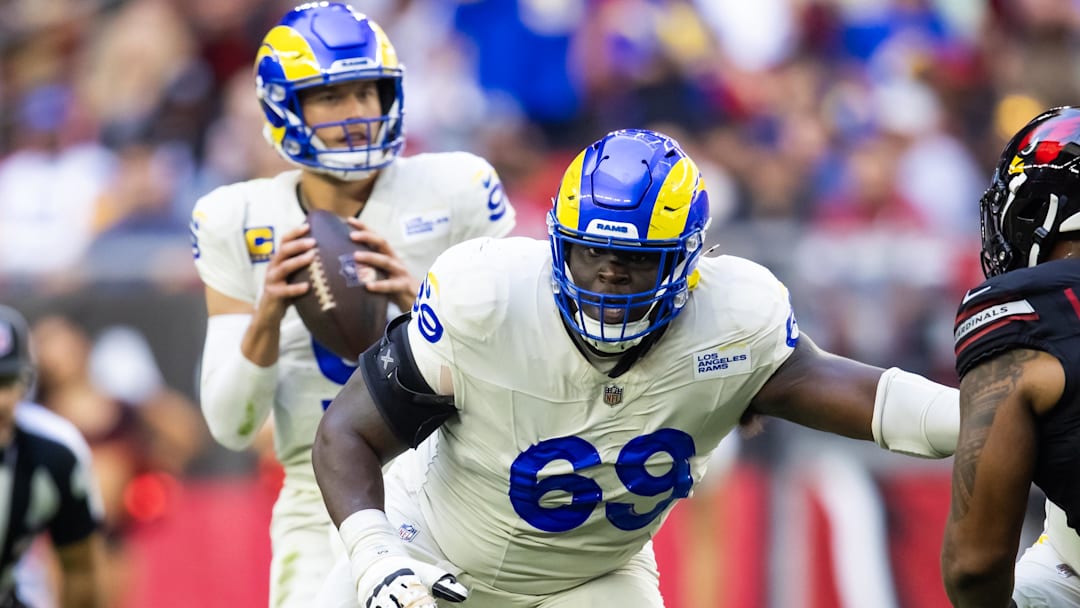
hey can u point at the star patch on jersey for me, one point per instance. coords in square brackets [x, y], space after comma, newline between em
[720, 362]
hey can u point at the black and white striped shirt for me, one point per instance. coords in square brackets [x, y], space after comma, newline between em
[46, 484]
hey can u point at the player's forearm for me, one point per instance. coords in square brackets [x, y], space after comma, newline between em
[347, 468]
[235, 394]
[977, 559]
[262, 338]
[822, 391]
[81, 566]
[81, 591]
[977, 587]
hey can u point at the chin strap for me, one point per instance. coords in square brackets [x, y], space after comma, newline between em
[637, 352]
[1043, 231]
[626, 360]
[595, 327]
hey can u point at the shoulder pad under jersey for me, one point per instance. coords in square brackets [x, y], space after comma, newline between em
[1037, 307]
[747, 295]
[468, 288]
[469, 183]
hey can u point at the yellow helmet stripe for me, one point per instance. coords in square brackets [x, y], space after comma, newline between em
[292, 50]
[568, 207]
[387, 54]
[277, 134]
[673, 201]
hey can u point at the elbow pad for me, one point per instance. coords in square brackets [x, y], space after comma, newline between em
[235, 394]
[410, 407]
[915, 416]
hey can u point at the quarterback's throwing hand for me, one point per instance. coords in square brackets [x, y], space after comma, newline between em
[401, 582]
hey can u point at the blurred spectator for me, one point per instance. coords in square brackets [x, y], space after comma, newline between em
[235, 147]
[161, 432]
[122, 364]
[48, 190]
[144, 239]
[521, 54]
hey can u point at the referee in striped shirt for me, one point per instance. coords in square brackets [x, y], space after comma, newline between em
[46, 483]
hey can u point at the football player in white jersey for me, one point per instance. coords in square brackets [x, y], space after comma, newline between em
[568, 426]
[330, 86]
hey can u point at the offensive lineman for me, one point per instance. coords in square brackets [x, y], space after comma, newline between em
[330, 86]
[569, 425]
[1018, 356]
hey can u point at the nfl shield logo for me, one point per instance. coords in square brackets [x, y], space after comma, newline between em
[612, 394]
[407, 532]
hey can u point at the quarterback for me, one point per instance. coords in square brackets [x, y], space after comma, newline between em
[330, 86]
[577, 387]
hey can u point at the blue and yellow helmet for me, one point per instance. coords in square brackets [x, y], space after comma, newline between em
[327, 43]
[633, 190]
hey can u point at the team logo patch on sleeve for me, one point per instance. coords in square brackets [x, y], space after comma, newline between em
[720, 362]
[260, 243]
[991, 315]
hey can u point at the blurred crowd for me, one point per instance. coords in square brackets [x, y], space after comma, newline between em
[856, 134]
[845, 144]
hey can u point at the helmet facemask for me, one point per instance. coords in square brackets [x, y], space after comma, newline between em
[330, 44]
[1023, 220]
[359, 159]
[641, 313]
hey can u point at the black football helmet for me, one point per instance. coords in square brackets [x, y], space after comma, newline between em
[1034, 196]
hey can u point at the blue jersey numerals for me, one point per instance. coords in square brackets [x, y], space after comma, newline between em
[426, 320]
[496, 202]
[526, 489]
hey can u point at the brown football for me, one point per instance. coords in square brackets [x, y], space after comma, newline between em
[338, 310]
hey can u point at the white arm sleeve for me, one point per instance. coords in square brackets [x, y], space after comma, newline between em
[915, 416]
[236, 395]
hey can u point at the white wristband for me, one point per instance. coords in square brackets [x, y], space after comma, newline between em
[369, 537]
[915, 416]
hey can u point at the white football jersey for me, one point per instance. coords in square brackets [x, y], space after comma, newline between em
[420, 204]
[1063, 538]
[553, 473]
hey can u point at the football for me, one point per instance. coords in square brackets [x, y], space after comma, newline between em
[338, 310]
